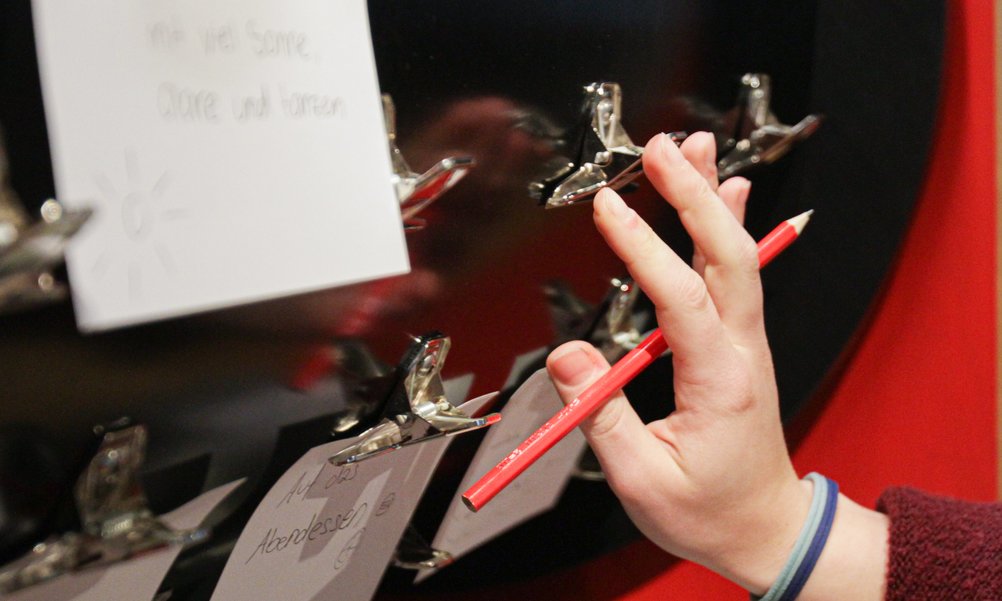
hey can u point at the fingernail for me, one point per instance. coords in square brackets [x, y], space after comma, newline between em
[614, 204]
[572, 367]
[745, 189]
[669, 150]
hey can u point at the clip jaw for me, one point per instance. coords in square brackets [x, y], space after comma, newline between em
[415, 192]
[606, 156]
[117, 522]
[758, 136]
[417, 408]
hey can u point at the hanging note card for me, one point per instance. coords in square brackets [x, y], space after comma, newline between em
[328, 532]
[532, 493]
[134, 579]
[232, 152]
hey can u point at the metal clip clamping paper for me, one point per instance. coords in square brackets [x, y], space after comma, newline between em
[416, 191]
[116, 520]
[416, 408]
[596, 154]
[757, 137]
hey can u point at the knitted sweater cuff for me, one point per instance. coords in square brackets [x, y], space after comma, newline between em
[942, 548]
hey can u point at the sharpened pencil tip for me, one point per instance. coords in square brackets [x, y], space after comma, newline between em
[800, 221]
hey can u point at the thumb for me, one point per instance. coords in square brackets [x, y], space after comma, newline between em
[615, 430]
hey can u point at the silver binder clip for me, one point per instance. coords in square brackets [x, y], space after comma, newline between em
[116, 520]
[611, 325]
[416, 408]
[601, 153]
[415, 192]
[414, 553]
[758, 138]
[29, 251]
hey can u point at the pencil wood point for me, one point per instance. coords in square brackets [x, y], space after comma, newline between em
[800, 221]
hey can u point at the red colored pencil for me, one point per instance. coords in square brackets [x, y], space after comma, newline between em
[602, 389]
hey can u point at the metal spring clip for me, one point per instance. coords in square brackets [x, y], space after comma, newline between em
[117, 522]
[602, 154]
[416, 191]
[758, 137]
[416, 409]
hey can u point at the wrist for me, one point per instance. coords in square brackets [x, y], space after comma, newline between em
[762, 543]
[852, 564]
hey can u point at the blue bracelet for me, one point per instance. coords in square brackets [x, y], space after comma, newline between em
[809, 543]
[805, 568]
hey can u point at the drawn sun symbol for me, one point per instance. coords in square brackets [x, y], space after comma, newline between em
[141, 208]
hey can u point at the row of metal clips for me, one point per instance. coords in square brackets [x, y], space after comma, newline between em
[598, 153]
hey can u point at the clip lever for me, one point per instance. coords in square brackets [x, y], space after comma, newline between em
[416, 409]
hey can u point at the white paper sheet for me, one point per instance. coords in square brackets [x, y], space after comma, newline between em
[533, 492]
[329, 532]
[234, 151]
[135, 579]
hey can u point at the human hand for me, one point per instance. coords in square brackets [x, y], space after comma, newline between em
[712, 481]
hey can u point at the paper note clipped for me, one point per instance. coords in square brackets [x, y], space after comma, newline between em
[137, 578]
[232, 152]
[532, 493]
[329, 532]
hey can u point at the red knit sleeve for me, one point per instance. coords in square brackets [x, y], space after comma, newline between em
[942, 548]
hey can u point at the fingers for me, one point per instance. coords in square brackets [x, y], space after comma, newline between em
[615, 432]
[734, 192]
[686, 313]
[729, 253]
[700, 149]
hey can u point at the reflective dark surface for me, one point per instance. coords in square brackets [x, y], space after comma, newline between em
[219, 391]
